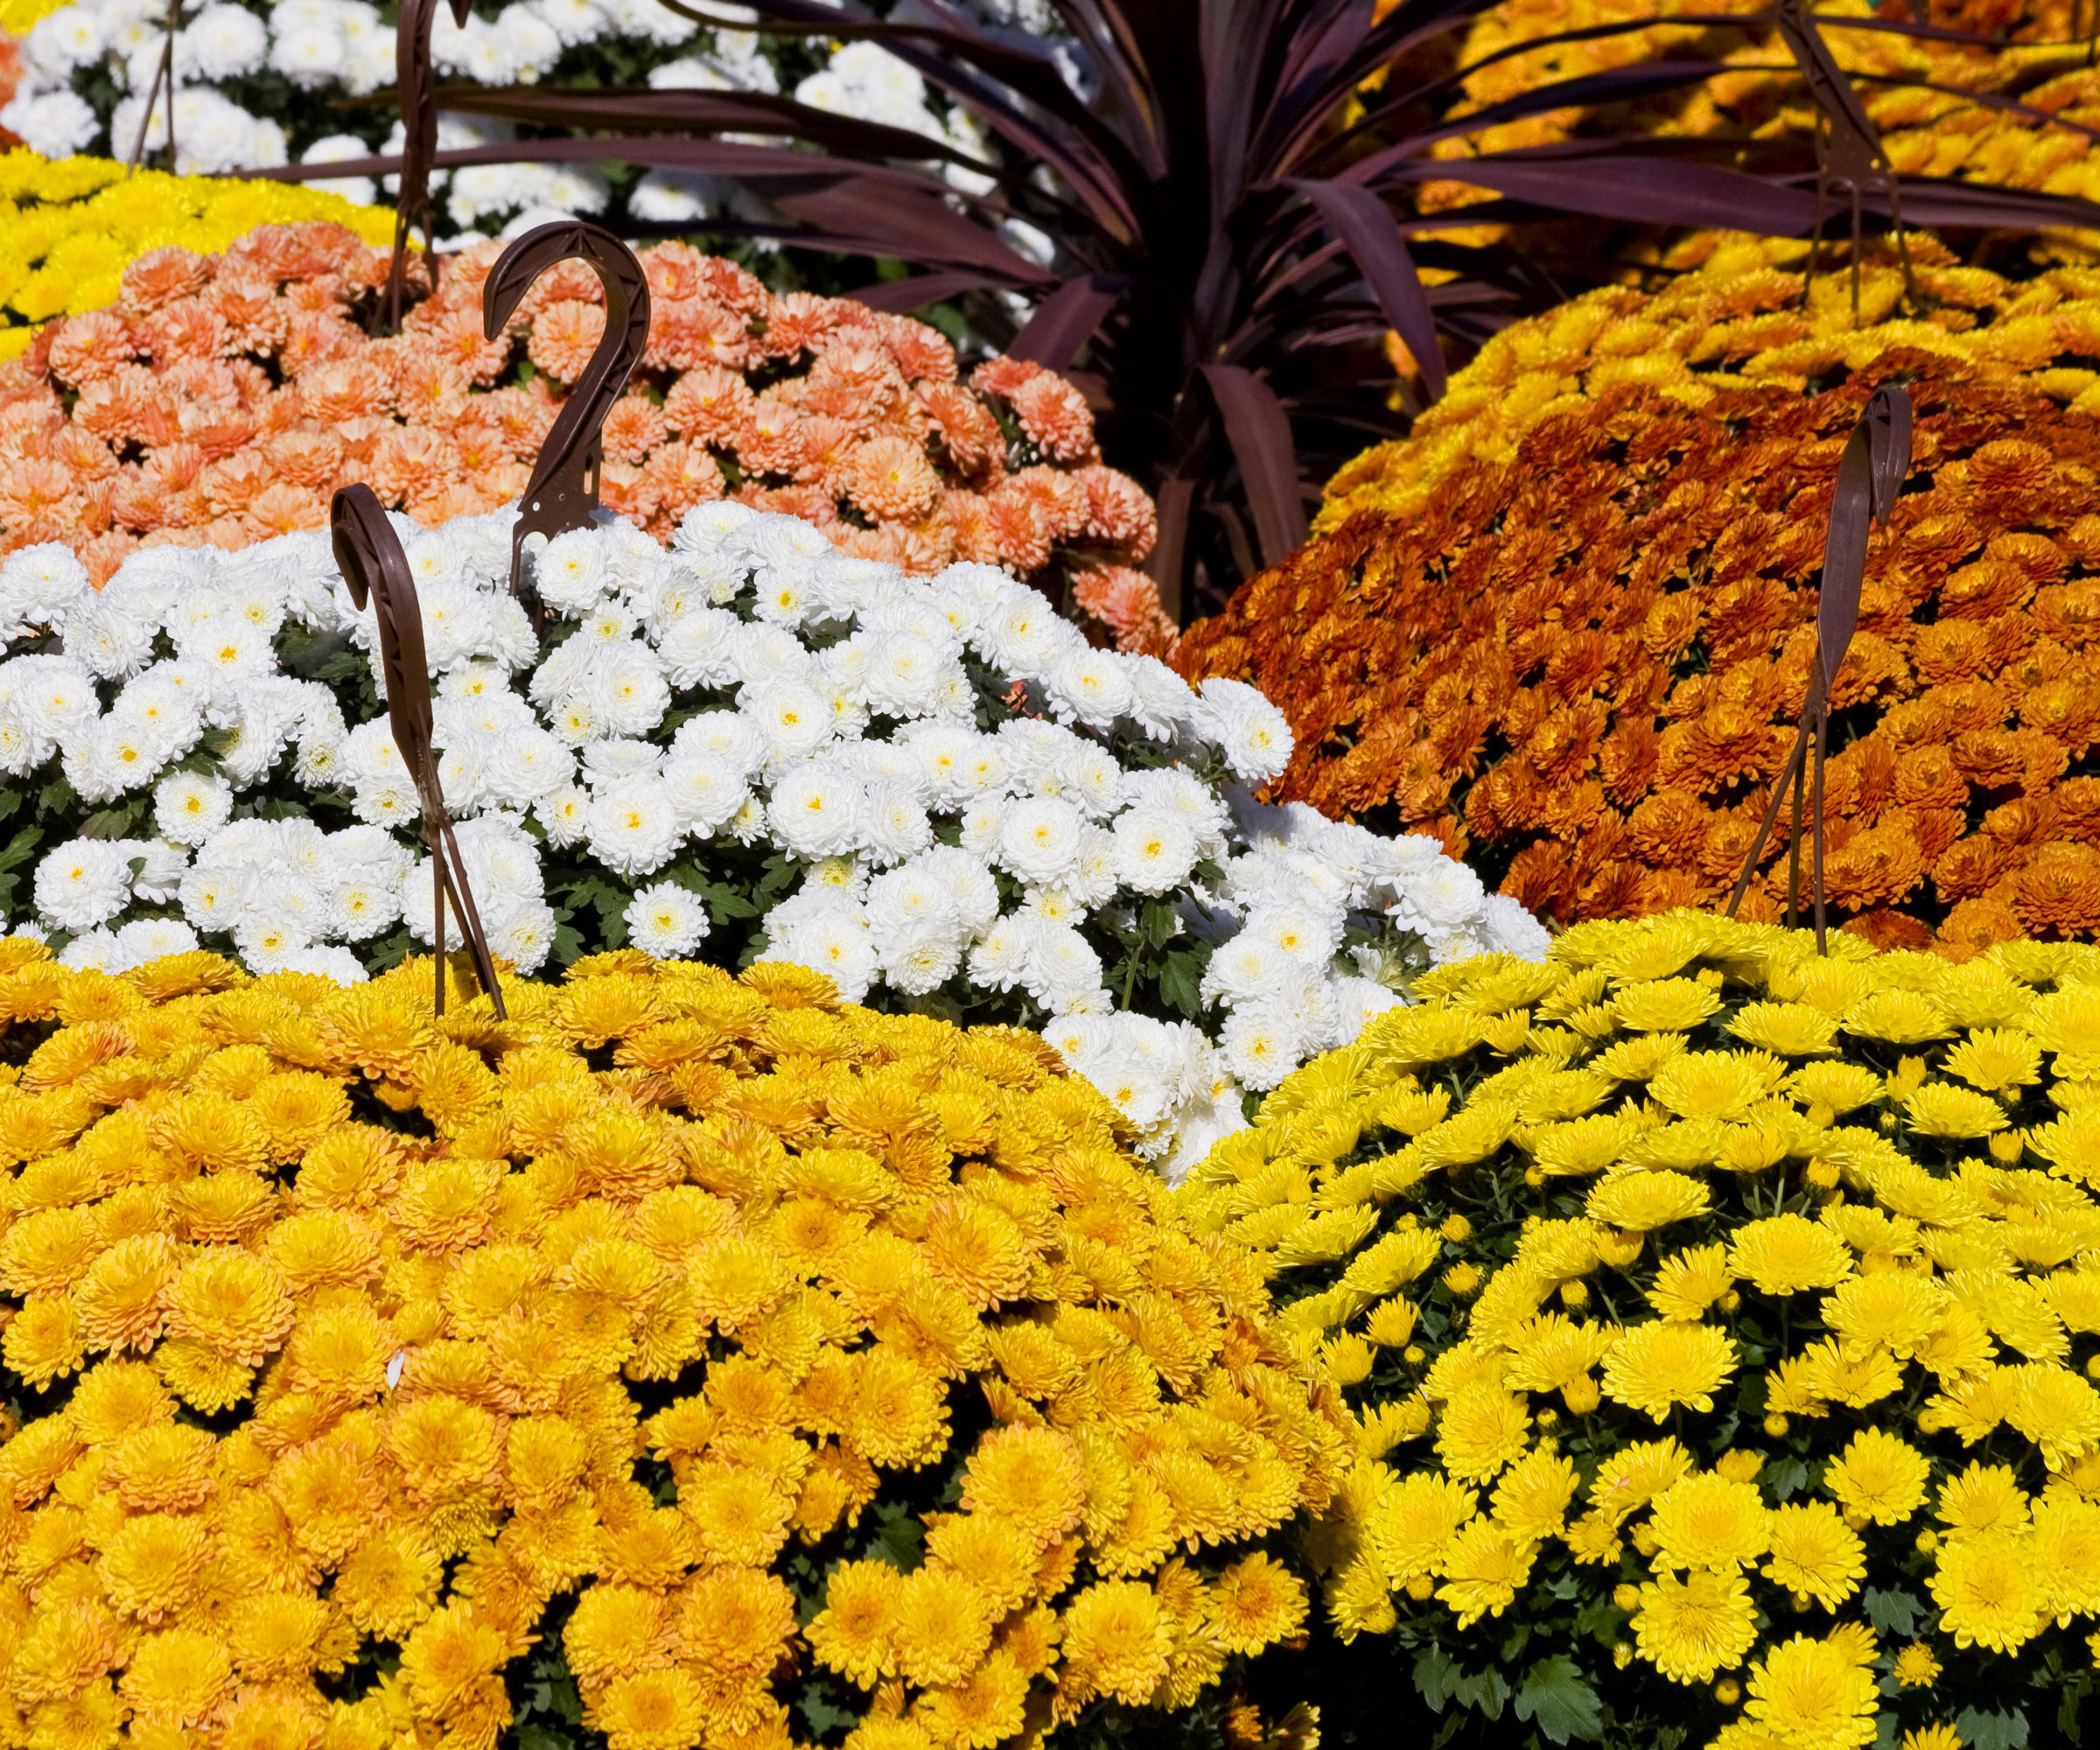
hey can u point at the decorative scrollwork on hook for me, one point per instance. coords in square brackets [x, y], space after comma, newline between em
[376, 570]
[1849, 153]
[1870, 474]
[562, 493]
[419, 125]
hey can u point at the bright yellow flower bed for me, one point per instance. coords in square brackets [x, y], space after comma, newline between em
[70, 226]
[1719, 1313]
[372, 1360]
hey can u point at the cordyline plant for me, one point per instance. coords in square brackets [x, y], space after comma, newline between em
[1228, 205]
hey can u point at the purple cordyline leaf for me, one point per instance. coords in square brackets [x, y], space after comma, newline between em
[1934, 201]
[1642, 190]
[641, 109]
[1066, 321]
[891, 219]
[917, 290]
[1259, 431]
[1619, 85]
[1367, 232]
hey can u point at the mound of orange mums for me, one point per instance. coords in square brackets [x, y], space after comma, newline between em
[223, 398]
[745, 1347]
[1567, 623]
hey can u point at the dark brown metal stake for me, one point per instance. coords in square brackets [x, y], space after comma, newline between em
[163, 74]
[1871, 474]
[374, 565]
[419, 145]
[562, 493]
[1848, 154]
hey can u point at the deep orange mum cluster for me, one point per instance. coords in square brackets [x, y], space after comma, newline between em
[223, 398]
[356, 1340]
[1567, 624]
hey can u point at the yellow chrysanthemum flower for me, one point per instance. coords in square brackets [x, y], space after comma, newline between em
[1879, 1476]
[1693, 1628]
[1655, 1368]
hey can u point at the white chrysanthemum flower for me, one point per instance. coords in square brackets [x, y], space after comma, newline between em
[83, 884]
[634, 827]
[666, 920]
[1155, 851]
[1260, 1045]
[817, 809]
[1040, 840]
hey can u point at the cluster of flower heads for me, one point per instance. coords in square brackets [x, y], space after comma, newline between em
[2029, 55]
[260, 82]
[222, 398]
[973, 807]
[68, 230]
[327, 1418]
[1720, 1310]
[1570, 621]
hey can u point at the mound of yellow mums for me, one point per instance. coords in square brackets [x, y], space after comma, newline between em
[748, 1347]
[1717, 1315]
[70, 226]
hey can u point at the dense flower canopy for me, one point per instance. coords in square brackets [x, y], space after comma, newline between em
[2032, 59]
[1715, 1310]
[221, 398]
[1568, 622]
[69, 228]
[749, 1348]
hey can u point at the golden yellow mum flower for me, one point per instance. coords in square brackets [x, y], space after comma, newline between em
[1810, 1693]
[231, 1301]
[1785, 1029]
[44, 1339]
[1716, 1084]
[615, 1631]
[1705, 1521]
[1692, 1627]
[1879, 1476]
[988, 1707]
[1788, 1255]
[1116, 1640]
[1666, 1006]
[1896, 1310]
[1484, 1568]
[2055, 1408]
[660, 1710]
[1530, 1501]
[1641, 1201]
[1983, 1498]
[1029, 1476]
[176, 1676]
[1255, 1603]
[2066, 1544]
[854, 1633]
[1479, 1430]
[1654, 1367]
[1915, 1667]
[1815, 1553]
[1413, 1521]
[1939, 1109]
[152, 1567]
[1994, 1059]
[1987, 1590]
[1689, 1282]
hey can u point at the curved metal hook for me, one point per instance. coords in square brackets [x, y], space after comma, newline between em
[368, 553]
[563, 490]
[419, 125]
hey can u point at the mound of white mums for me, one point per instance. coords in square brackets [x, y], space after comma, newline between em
[961, 805]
